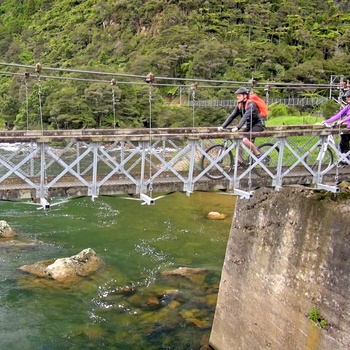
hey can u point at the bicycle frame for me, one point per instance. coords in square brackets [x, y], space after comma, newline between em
[324, 146]
[334, 147]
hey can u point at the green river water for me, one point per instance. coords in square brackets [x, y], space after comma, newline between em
[110, 309]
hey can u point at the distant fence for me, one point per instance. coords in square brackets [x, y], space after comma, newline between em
[306, 101]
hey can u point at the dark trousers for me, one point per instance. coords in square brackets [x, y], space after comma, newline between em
[344, 143]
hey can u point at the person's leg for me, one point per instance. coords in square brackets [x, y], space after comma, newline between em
[249, 142]
[344, 143]
[344, 146]
[251, 146]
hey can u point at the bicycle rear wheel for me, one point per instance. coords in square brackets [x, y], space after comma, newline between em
[226, 163]
[270, 161]
[313, 160]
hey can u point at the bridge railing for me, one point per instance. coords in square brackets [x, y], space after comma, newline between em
[303, 101]
[141, 160]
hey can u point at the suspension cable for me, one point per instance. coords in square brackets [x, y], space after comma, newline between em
[193, 89]
[113, 102]
[26, 76]
[150, 81]
[134, 76]
[38, 69]
[279, 86]
[250, 148]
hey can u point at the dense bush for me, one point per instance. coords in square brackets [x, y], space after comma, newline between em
[230, 40]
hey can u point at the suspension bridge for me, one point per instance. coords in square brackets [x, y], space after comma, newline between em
[92, 162]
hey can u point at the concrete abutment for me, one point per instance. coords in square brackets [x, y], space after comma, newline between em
[287, 254]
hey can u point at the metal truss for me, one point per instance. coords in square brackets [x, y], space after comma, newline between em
[142, 162]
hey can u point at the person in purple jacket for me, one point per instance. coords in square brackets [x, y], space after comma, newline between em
[343, 116]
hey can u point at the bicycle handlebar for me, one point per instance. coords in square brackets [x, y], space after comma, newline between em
[329, 125]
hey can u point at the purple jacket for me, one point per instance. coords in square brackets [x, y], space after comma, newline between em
[345, 112]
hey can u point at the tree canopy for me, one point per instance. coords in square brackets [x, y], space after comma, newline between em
[294, 41]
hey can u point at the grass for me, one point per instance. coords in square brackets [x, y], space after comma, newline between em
[294, 120]
[315, 316]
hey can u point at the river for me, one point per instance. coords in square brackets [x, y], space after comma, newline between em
[111, 309]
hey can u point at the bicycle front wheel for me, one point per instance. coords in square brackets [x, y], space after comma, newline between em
[315, 157]
[270, 161]
[226, 163]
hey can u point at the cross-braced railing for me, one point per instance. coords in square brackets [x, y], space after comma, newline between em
[141, 159]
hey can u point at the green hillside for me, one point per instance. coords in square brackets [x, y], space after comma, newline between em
[230, 40]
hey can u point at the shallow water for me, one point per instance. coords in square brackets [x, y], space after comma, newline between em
[111, 308]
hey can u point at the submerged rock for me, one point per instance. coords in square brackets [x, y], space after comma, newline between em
[153, 299]
[6, 230]
[66, 269]
[196, 275]
[124, 290]
[196, 318]
[13, 243]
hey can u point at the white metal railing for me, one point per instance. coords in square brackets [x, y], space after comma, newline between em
[141, 159]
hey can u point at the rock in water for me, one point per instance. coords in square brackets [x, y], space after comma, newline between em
[66, 269]
[6, 230]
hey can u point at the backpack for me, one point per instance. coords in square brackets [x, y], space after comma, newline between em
[260, 103]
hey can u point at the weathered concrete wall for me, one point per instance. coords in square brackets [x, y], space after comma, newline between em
[288, 252]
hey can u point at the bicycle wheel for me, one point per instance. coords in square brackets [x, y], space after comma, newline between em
[226, 163]
[312, 159]
[270, 161]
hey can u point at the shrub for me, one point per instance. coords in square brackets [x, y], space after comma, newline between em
[277, 110]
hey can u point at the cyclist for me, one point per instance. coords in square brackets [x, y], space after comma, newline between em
[343, 116]
[251, 118]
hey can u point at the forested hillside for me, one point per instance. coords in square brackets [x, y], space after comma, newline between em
[233, 40]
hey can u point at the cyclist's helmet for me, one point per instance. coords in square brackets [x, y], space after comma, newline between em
[347, 94]
[242, 90]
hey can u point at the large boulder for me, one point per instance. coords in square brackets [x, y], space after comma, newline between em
[66, 269]
[6, 230]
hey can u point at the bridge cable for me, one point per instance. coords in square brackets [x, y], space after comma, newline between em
[281, 85]
[38, 70]
[149, 81]
[250, 154]
[26, 76]
[113, 102]
[250, 139]
[193, 89]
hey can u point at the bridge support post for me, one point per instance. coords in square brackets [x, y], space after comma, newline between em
[277, 181]
[188, 186]
[78, 154]
[31, 159]
[93, 190]
[42, 190]
[141, 187]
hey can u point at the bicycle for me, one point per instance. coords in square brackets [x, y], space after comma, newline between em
[227, 162]
[324, 156]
